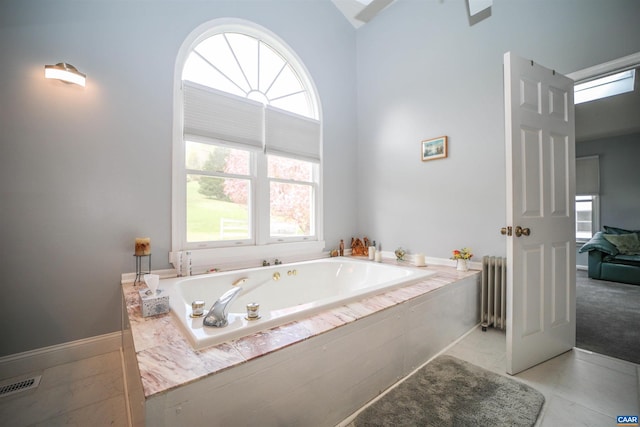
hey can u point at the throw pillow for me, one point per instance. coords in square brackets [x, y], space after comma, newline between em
[599, 243]
[627, 244]
[615, 230]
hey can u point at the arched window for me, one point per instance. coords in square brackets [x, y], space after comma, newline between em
[247, 162]
[249, 67]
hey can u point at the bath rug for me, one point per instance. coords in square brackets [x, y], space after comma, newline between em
[451, 392]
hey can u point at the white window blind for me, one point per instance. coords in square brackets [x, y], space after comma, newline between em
[291, 134]
[215, 114]
[587, 176]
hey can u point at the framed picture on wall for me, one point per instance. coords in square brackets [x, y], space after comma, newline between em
[435, 148]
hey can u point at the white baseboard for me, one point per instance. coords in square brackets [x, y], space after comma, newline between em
[582, 267]
[46, 357]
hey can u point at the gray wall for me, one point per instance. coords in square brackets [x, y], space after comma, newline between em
[619, 178]
[85, 171]
[424, 72]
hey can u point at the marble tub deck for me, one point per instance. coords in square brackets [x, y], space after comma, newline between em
[166, 360]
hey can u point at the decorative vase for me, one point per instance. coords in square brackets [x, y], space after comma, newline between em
[462, 265]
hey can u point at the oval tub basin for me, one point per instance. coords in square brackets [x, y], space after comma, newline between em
[285, 292]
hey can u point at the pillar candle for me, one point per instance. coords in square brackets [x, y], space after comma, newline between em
[419, 260]
[143, 246]
[378, 256]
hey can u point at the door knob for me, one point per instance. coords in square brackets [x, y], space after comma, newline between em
[506, 231]
[522, 231]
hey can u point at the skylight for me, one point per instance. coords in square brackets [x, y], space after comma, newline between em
[603, 87]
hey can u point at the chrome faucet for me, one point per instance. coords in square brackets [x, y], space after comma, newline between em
[217, 315]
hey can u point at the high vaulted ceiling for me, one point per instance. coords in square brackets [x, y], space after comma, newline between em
[359, 12]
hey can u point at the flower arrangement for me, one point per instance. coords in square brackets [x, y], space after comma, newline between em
[464, 253]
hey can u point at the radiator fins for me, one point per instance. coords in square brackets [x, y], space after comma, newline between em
[493, 308]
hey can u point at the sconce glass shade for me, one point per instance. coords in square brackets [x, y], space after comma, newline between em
[65, 72]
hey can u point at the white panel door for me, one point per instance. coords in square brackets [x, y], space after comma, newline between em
[540, 157]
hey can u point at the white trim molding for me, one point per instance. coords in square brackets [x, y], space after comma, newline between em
[46, 357]
[619, 64]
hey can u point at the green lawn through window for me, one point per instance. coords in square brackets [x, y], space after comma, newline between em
[204, 217]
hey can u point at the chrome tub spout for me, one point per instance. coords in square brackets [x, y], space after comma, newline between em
[217, 315]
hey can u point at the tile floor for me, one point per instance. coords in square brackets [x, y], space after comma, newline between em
[89, 392]
[581, 388]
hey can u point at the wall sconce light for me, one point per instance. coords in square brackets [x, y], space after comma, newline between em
[65, 72]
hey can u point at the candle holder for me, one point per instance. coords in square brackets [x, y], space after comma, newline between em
[139, 272]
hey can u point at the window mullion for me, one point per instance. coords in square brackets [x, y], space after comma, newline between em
[262, 200]
[216, 174]
[233, 82]
[291, 181]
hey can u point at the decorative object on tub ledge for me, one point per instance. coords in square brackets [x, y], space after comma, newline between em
[139, 272]
[188, 271]
[436, 148]
[333, 253]
[142, 249]
[450, 391]
[462, 256]
[341, 247]
[419, 260]
[155, 303]
[143, 246]
[152, 281]
[357, 247]
[400, 253]
[462, 265]
[178, 265]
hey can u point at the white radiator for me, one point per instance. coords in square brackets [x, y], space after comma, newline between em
[493, 309]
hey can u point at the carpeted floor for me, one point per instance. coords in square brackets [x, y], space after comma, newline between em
[608, 317]
[451, 392]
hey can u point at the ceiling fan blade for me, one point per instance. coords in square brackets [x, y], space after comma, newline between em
[372, 9]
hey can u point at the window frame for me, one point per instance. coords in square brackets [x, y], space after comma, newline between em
[595, 216]
[251, 177]
[229, 252]
[313, 183]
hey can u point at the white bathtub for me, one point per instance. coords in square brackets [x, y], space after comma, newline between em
[302, 289]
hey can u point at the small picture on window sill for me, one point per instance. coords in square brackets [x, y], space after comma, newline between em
[433, 149]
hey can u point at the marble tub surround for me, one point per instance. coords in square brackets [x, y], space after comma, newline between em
[166, 361]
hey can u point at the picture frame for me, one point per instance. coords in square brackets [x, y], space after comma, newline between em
[435, 148]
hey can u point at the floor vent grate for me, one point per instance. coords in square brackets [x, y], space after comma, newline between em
[18, 386]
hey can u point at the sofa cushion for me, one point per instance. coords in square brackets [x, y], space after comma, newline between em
[627, 244]
[599, 243]
[615, 230]
[625, 259]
